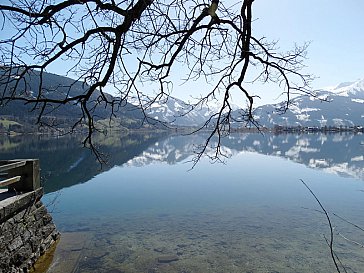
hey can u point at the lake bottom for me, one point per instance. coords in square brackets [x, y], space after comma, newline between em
[249, 239]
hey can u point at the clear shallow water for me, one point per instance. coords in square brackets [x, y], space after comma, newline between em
[251, 214]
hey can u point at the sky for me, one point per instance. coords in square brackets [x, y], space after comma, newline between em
[333, 27]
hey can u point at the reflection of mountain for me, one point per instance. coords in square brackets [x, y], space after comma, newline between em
[337, 153]
[170, 150]
[64, 162]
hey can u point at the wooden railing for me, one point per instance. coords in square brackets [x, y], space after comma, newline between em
[22, 175]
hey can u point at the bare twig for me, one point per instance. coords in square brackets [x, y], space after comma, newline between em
[330, 242]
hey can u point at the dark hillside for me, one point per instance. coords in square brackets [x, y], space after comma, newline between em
[59, 87]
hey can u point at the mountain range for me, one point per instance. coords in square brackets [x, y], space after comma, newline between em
[177, 112]
[340, 106]
[58, 88]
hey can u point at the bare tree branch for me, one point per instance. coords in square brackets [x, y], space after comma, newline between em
[330, 242]
[138, 45]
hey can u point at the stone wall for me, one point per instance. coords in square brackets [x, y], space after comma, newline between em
[26, 231]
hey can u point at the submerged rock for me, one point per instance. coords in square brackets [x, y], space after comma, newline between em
[167, 259]
[159, 249]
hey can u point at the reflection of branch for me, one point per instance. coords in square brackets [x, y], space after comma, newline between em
[331, 241]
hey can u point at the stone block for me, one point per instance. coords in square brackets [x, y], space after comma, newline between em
[47, 230]
[40, 212]
[35, 242]
[20, 216]
[27, 231]
[15, 244]
[22, 255]
[9, 224]
[19, 228]
[47, 218]
[14, 204]
[4, 259]
[5, 238]
[26, 236]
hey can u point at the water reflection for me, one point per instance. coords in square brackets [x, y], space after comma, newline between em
[65, 162]
[250, 215]
[341, 154]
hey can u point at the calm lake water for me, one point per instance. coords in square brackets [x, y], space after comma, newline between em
[146, 211]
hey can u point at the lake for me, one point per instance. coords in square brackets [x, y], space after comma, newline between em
[148, 211]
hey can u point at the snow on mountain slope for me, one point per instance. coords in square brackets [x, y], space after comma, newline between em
[338, 106]
[177, 112]
[173, 111]
[349, 89]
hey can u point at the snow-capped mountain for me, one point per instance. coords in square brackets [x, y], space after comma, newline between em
[339, 106]
[342, 105]
[352, 89]
[177, 112]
